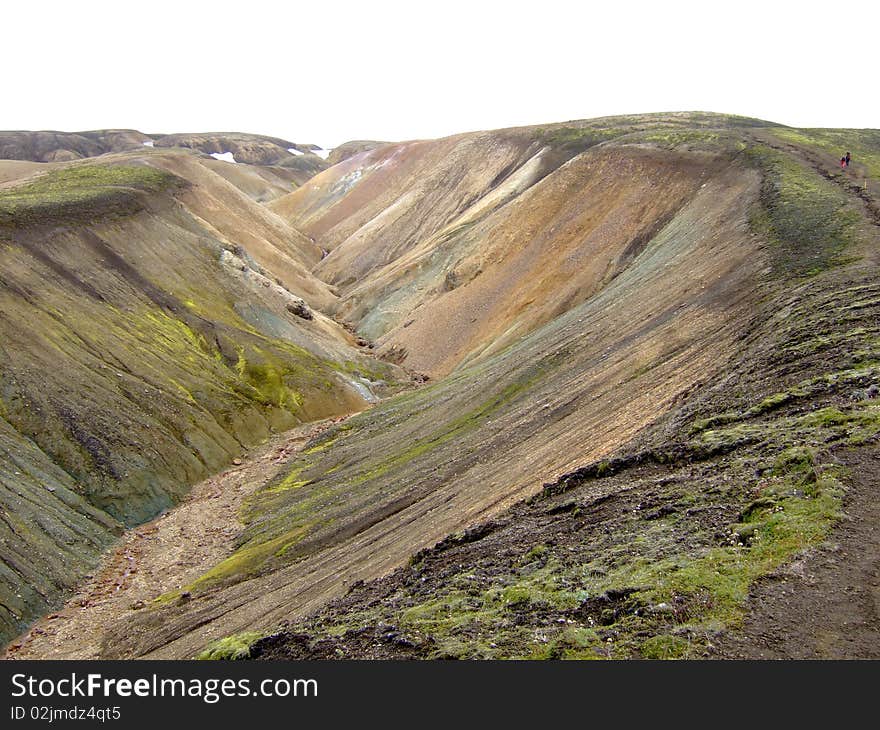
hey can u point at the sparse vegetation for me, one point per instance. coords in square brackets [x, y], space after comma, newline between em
[233, 647]
[81, 192]
[809, 220]
[672, 579]
[863, 143]
[710, 430]
[574, 140]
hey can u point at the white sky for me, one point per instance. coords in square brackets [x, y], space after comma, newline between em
[326, 72]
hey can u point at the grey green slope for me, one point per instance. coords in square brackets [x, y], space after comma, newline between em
[127, 372]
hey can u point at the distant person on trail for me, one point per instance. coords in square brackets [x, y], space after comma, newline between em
[842, 162]
[847, 159]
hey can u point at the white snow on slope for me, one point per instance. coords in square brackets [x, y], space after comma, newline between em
[225, 156]
[148, 143]
[294, 151]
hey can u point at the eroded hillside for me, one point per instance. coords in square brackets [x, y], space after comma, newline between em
[488, 236]
[741, 523]
[652, 352]
[143, 349]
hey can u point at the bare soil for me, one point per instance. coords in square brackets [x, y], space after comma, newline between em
[826, 604]
[163, 555]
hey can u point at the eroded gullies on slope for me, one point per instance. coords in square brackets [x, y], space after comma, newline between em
[651, 554]
[669, 588]
[127, 365]
[396, 479]
[424, 439]
[661, 333]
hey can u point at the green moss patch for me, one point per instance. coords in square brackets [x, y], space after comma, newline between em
[809, 220]
[232, 648]
[82, 192]
[864, 144]
[574, 140]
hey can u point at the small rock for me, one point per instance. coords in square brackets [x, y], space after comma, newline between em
[663, 511]
[137, 605]
[237, 462]
[746, 533]
[300, 309]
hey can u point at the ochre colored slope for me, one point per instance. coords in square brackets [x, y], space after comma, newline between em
[239, 220]
[739, 524]
[260, 183]
[554, 247]
[487, 236]
[418, 467]
[407, 191]
[658, 284]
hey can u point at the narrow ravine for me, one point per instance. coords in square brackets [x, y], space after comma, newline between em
[162, 555]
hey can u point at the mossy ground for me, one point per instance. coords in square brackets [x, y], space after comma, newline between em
[647, 557]
[127, 363]
[574, 140]
[649, 562]
[809, 221]
[864, 144]
[692, 130]
[81, 192]
[231, 647]
[323, 490]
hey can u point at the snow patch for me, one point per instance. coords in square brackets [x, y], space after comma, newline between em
[362, 386]
[148, 143]
[294, 151]
[346, 183]
[323, 154]
[225, 156]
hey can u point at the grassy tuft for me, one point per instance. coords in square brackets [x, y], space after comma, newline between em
[237, 646]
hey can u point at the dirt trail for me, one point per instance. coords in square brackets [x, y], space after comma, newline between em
[828, 167]
[826, 604]
[163, 555]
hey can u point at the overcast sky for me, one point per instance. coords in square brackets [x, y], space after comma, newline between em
[326, 72]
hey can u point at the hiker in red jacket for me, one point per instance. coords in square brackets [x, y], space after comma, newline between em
[842, 162]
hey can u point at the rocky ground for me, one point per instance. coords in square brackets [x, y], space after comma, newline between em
[825, 604]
